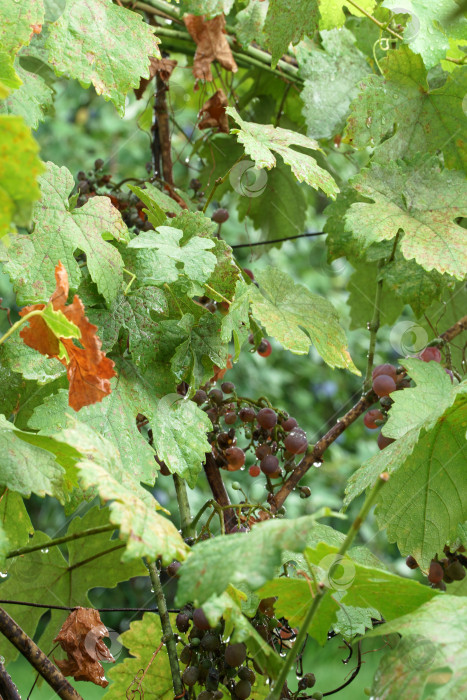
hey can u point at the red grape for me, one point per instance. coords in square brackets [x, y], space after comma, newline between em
[262, 450]
[270, 465]
[383, 385]
[200, 619]
[386, 369]
[289, 424]
[383, 441]
[264, 348]
[247, 414]
[430, 354]
[200, 397]
[267, 418]
[220, 216]
[228, 387]
[249, 273]
[254, 470]
[370, 417]
[235, 458]
[230, 417]
[436, 572]
[296, 442]
[411, 562]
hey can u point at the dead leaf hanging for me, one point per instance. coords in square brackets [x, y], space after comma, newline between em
[163, 66]
[88, 369]
[211, 43]
[212, 113]
[81, 638]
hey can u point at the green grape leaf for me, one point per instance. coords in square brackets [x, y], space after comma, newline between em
[168, 256]
[445, 313]
[19, 170]
[331, 75]
[156, 202]
[431, 655]
[202, 348]
[362, 288]
[18, 20]
[19, 357]
[433, 118]
[413, 409]
[425, 499]
[236, 322]
[270, 208]
[352, 622]
[82, 43]
[209, 8]
[31, 463]
[285, 308]
[58, 323]
[423, 201]
[45, 576]
[9, 79]
[430, 26]
[250, 22]
[59, 232]
[340, 242]
[332, 11]
[260, 140]
[287, 22]
[412, 284]
[142, 639]
[174, 417]
[204, 572]
[32, 101]
[14, 519]
[134, 312]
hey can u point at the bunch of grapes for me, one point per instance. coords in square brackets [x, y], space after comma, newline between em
[441, 572]
[272, 438]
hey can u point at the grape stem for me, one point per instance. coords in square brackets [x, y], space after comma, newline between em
[168, 635]
[18, 324]
[186, 522]
[323, 591]
[373, 328]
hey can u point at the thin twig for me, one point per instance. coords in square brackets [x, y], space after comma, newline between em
[218, 491]
[36, 657]
[30, 604]
[455, 330]
[373, 327]
[60, 540]
[279, 240]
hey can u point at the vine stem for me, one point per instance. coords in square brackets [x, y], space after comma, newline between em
[373, 328]
[18, 324]
[219, 181]
[379, 24]
[186, 523]
[168, 636]
[323, 591]
[60, 540]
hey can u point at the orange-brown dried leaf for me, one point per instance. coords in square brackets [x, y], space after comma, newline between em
[219, 372]
[88, 368]
[212, 45]
[163, 66]
[81, 638]
[213, 113]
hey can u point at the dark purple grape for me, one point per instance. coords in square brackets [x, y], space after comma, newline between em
[242, 690]
[186, 653]
[216, 395]
[295, 442]
[246, 674]
[267, 418]
[200, 619]
[182, 622]
[230, 417]
[247, 414]
[235, 458]
[228, 387]
[289, 424]
[98, 164]
[200, 397]
[235, 654]
[210, 642]
[383, 385]
[173, 568]
[436, 572]
[411, 562]
[220, 216]
[383, 441]
[270, 465]
[262, 450]
[190, 675]
[456, 571]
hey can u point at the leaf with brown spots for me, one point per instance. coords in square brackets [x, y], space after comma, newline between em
[212, 45]
[81, 637]
[213, 115]
[88, 369]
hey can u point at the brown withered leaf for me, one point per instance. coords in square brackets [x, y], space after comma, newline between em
[88, 369]
[213, 114]
[81, 638]
[211, 43]
[163, 66]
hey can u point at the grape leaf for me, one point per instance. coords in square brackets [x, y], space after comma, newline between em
[423, 201]
[430, 657]
[98, 42]
[236, 322]
[430, 27]
[9, 79]
[331, 75]
[202, 348]
[259, 140]
[425, 499]
[19, 169]
[168, 256]
[204, 572]
[45, 576]
[32, 101]
[433, 118]
[362, 288]
[285, 308]
[142, 639]
[287, 22]
[210, 8]
[412, 284]
[250, 21]
[132, 508]
[59, 232]
[18, 22]
[155, 199]
[23, 359]
[14, 519]
[332, 12]
[175, 416]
